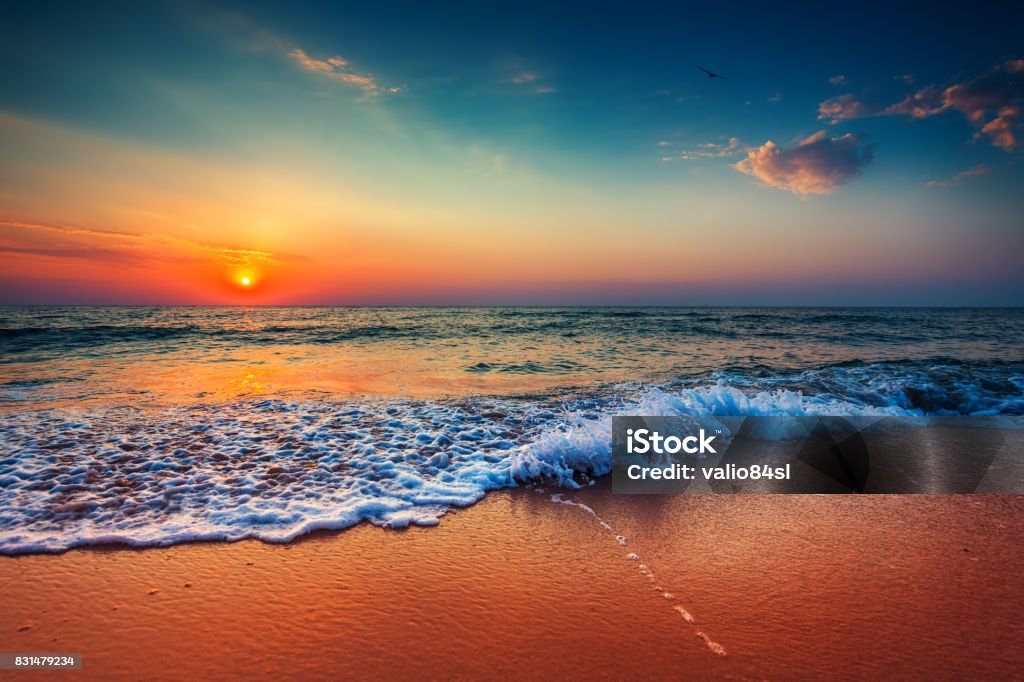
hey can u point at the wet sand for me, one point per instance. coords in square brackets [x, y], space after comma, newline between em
[519, 587]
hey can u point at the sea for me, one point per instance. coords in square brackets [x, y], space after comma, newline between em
[150, 426]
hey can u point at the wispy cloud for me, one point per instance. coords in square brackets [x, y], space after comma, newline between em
[905, 78]
[87, 253]
[817, 165]
[707, 150]
[993, 103]
[926, 102]
[524, 77]
[841, 108]
[70, 229]
[126, 243]
[776, 97]
[838, 80]
[533, 82]
[956, 179]
[339, 69]
[248, 35]
[1005, 129]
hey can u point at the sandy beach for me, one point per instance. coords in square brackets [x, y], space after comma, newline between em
[418, 341]
[923, 587]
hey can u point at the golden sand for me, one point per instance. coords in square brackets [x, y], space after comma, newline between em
[520, 587]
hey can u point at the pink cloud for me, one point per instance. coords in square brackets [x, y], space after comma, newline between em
[841, 108]
[817, 165]
[1004, 128]
[251, 36]
[925, 102]
[707, 150]
[969, 173]
[116, 240]
[338, 69]
[992, 102]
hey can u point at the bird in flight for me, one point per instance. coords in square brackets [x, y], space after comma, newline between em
[711, 74]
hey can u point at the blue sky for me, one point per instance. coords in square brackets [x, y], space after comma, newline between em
[892, 135]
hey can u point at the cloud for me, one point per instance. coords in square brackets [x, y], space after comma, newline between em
[991, 102]
[339, 69]
[841, 108]
[777, 97]
[1004, 128]
[969, 173]
[708, 150]
[926, 102]
[906, 78]
[93, 254]
[247, 35]
[838, 80]
[534, 81]
[817, 165]
[126, 243]
[524, 77]
[71, 229]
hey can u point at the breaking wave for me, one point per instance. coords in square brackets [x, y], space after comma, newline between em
[277, 469]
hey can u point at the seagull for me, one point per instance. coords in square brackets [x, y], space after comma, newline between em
[711, 74]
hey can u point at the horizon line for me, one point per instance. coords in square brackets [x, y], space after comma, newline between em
[509, 305]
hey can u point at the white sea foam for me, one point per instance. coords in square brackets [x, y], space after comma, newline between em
[714, 646]
[581, 442]
[278, 469]
[685, 614]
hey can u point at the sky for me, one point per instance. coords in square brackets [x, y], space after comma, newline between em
[527, 153]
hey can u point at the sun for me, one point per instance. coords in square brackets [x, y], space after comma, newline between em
[245, 279]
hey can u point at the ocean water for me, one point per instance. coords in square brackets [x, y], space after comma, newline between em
[151, 426]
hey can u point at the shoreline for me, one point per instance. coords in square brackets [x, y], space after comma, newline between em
[788, 585]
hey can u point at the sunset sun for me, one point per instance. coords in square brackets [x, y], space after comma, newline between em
[245, 280]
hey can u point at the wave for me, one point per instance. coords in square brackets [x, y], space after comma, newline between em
[40, 334]
[36, 342]
[562, 367]
[277, 469]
